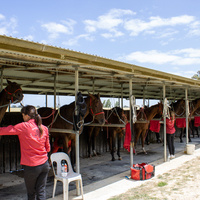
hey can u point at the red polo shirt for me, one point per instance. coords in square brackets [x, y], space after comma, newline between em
[33, 147]
[170, 126]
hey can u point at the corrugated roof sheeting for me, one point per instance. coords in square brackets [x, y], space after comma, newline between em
[35, 65]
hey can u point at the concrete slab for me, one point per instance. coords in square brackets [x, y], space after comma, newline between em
[102, 178]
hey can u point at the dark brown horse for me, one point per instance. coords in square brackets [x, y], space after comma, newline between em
[113, 116]
[180, 111]
[142, 124]
[63, 118]
[11, 94]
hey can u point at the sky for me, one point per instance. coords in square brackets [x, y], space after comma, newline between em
[156, 34]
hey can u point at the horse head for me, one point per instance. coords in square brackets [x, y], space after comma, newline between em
[160, 109]
[119, 113]
[13, 92]
[96, 108]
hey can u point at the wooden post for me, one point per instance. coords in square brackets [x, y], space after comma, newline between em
[186, 113]
[131, 122]
[164, 119]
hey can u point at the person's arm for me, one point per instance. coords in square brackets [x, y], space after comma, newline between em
[47, 145]
[11, 130]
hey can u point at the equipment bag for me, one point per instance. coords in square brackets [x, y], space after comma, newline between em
[142, 171]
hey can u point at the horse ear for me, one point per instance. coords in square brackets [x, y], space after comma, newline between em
[92, 96]
[98, 96]
[9, 82]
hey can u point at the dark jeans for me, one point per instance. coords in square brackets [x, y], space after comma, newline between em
[170, 142]
[35, 181]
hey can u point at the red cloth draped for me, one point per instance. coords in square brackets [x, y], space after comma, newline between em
[180, 122]
[196, 121]
[155, 126]
[127, 138]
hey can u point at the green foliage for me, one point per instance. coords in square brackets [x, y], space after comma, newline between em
[196, 76]
[107, 103]
[161, 184]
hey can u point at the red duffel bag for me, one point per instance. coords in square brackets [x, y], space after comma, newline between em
[142, 171]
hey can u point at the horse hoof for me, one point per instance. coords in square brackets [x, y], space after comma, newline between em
[113, 159]
[120, 158]
[181, 141]
[190, 140]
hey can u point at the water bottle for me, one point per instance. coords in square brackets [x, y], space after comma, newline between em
[63, 169]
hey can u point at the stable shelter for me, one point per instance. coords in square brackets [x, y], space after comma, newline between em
[49, 70]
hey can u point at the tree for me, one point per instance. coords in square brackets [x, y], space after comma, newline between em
[196, 76]
[117, 104]
[107, 103]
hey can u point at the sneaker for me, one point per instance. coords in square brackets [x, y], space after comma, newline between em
[172, 156]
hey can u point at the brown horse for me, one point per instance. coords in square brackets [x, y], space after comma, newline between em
[141, 128]
[63, 119]
[11, 94]
[180, 111]
[113, 116]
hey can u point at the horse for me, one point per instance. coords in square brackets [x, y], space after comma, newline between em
[113, 116]
[12, 93]
[63, 119]
[141, 128]
[179, 109]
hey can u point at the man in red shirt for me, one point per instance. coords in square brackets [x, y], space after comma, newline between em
[170, 130]
[34, 145]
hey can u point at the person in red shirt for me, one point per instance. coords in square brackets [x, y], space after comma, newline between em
[170, 130]
[34, 145]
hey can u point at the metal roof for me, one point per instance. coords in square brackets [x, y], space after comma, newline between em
[35, 66]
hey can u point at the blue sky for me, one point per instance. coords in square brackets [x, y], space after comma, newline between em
[157, 34]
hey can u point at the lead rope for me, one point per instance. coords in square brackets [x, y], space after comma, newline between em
[9, 104]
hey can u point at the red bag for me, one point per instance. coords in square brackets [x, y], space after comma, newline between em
[142, 171]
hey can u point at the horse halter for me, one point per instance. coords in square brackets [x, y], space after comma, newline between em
[12, 94]
[94, 114]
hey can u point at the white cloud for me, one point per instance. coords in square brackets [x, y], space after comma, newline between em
[177, 57]
[74, 41]
[136, 26]
[108, 22]
[29, 37]
[55, 29]
[7, 27]
[2, 17]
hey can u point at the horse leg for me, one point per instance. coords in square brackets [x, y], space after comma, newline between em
[181, 135]
[89, 133]
[73, 153]
[95, 134]
[119, 145]
[112, 149]
[143, 140]
[137, 135]
[189, 133]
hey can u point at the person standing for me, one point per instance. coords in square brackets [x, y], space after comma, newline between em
[170, 130]
[34, 145]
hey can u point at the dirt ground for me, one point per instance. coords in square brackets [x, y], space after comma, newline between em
[178, 184]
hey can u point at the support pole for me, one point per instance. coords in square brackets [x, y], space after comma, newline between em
[1, 78]
[131, 123]
[143, 96]
[55, 91]
[46, 100]
[187, 113]
[122, 96]
[77, 134]
[164, 118]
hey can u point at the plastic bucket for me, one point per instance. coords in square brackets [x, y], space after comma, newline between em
[190, 149]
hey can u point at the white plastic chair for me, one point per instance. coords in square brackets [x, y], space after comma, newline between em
[71, 175]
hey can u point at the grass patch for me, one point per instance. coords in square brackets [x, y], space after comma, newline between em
[161, 184]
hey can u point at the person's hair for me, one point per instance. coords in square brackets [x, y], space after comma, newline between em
[172, 114]
[32, 113]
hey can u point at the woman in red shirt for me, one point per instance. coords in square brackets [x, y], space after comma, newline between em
[34, 145]
[170, 130]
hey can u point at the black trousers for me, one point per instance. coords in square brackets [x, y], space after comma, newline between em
[170, 143]
[35, 181]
